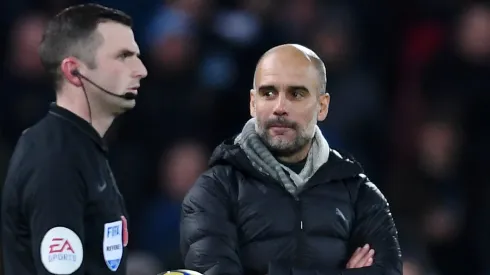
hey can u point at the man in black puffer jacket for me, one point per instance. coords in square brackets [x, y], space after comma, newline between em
[277, 199]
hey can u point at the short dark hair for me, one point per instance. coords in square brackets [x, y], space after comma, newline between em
[72, 32]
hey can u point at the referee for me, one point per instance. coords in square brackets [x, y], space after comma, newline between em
[62, 212]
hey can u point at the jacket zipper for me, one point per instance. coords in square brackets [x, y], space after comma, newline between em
[299, 231]
[299, 235]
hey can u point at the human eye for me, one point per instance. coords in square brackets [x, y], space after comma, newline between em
[125, 54]
[267, 92]
[298, 93]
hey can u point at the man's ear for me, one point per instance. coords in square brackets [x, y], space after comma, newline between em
[68, 67]
[324, 102]
[252, 103]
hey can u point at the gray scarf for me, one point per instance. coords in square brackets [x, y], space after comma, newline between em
[265, 162]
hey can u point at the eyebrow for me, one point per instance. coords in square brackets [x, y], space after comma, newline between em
[300, 87]
[294, 87]
[128, 52]
[267, 87]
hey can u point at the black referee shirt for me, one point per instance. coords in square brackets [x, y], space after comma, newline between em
[62, 212]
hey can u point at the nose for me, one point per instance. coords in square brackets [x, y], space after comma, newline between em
[140, 70]
[280, 107]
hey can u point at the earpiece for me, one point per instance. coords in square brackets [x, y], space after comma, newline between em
[126, 96]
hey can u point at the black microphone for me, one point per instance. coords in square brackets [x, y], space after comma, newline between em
[126, 96]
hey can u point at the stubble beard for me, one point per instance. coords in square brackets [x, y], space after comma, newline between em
[280, 146]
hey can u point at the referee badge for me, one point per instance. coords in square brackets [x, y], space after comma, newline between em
[113, 244]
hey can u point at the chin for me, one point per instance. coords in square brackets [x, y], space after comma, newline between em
[282, 139]
[128, 104]
[124, 107]
[280, 143]
[285, 151]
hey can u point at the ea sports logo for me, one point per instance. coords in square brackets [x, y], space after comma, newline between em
[61, 251]
[60, 245]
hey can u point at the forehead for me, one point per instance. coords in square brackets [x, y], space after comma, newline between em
[286, 71]
[117, 37]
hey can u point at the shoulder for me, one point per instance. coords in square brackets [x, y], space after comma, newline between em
[363, 190]
[36, 153]
[221, 177]
[222, 174]
[356, 179]
[217, 183]
[45, 141]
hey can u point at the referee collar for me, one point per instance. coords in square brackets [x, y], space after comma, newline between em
[84, 126]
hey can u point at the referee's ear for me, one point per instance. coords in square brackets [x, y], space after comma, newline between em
[68, 66]
[252, 103]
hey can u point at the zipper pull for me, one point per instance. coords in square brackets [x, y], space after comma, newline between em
[301, 225]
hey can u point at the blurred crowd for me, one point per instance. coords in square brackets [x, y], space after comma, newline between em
[410, 93]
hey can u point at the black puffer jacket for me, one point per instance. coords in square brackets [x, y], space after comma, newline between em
[236, 220]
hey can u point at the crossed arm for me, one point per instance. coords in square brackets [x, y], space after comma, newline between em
[212, 250]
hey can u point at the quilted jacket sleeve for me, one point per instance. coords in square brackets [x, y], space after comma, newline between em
[374, 225]
[208, 235]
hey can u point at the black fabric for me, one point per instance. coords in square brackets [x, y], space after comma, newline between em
[82, 125]
[59, 176]
[296, 167]
[236, 220]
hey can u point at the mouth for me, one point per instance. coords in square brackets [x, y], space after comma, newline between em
[280, 126]
[279, 130]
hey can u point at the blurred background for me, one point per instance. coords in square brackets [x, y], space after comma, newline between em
[409, 84]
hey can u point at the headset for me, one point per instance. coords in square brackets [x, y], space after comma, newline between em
[126, 96]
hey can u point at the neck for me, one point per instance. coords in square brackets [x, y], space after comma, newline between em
[297, 157]
[100, 120]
